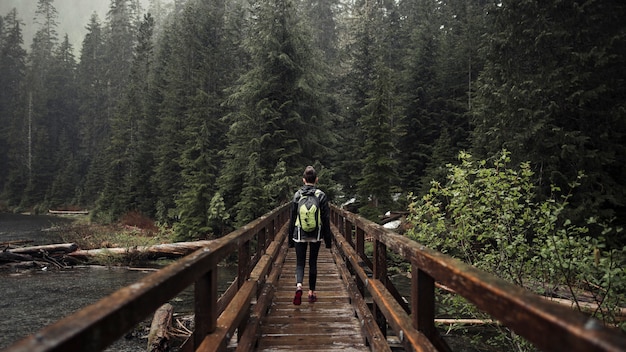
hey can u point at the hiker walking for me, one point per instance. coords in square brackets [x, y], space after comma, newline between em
[309, 225]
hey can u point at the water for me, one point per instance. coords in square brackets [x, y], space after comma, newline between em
[35, 228]
[33, 299]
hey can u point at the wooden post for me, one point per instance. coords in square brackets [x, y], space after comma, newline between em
[205, 301]
[347, 232]
[423, 301]
[273, 229]
[262, 241]
[360, 242]
[243, 263]
[380, 273]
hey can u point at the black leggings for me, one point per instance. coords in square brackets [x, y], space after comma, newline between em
[301, 259]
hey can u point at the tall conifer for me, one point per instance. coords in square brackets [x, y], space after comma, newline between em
[12, 107]
[277, 111]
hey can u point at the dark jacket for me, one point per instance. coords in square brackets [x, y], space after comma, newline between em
[324, 215]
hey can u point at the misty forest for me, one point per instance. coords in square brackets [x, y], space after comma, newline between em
[497, 127]
[202, 114]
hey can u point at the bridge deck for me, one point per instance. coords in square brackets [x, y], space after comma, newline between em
[329, 324]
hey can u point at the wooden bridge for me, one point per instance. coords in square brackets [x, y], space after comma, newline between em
[358, 308]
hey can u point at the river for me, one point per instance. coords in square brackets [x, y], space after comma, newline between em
[33, 299]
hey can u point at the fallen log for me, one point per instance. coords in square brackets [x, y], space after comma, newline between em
[466, 321]
[49, 248]
[170, 250]
[68, 212]
[14, 257]
[158, 336]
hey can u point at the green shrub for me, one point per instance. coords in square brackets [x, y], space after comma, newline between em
[489, 216]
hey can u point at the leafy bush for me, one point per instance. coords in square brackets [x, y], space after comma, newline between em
[489, 217]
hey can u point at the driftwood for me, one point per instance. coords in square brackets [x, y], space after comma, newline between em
[466, 321]
[14, 257]
[37, 256]
[50, 249]
[172, 250]
[68, 212]
[158, 336]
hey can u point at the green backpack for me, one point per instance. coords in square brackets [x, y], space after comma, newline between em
[309, 216]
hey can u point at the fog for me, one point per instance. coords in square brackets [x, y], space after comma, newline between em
[73, 17]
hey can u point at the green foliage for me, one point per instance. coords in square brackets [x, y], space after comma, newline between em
[217, 214]
[546, 92]
[489, 216]
[280, 186]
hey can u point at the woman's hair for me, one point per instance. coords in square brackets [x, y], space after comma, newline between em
[310, 175]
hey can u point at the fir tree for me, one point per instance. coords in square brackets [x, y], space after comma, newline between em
[12, 79]
[93, 112]
[39, 163]
[63, 126]
[548, 92]
[278, 112]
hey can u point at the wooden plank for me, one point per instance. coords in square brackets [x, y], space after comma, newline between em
[234, 314]
[375, 338]
[398, 319]
[330, 324]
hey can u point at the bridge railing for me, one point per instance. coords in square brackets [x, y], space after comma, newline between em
[104, 322]
[549, 326]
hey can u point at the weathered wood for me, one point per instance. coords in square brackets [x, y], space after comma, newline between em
[329, 324]
[50, 248]
[158, 337]
[398, 319]
[375, 338]
[230, 319]
[250, 336]
[173, 250]
[569, 330]
[467, 322]
[68, 212]
[14, 257]
[100, 324]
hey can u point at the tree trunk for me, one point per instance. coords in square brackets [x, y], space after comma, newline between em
[50, 249]
[178, 249]
[158, 337]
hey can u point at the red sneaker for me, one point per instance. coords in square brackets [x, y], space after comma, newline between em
[312, 298]
[297, 299]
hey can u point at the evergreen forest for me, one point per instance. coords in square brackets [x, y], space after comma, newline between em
[202, 115]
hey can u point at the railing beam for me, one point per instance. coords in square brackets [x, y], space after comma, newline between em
[533, 315]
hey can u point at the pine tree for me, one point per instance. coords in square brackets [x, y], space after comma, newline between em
[63, 129]
[379, 166]
[421, 100]
[192, 78]
[120, 42]
[357, 83]
[277, 108]
[129, 153]
[93, 110]
[194, 202]
[373, 77]
[40, 166]
[12, 80]
[548, 95]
